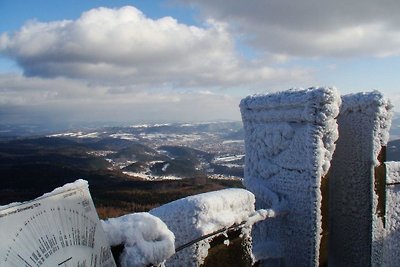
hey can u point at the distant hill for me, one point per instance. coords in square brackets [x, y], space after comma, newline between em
[30, 167]
[111, 155]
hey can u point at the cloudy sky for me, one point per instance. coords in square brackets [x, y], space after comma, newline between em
[67, 62]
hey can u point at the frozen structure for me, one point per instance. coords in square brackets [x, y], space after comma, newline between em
[357, 181]
[391, 249]
[152, 238]
[289, 140]
[199, 215]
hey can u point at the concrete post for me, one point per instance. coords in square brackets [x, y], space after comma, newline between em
[289, 142]
[356, 182]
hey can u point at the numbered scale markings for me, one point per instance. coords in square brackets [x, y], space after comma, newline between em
[61, 229]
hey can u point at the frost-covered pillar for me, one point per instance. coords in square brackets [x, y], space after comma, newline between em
[289, 141]
[392, 234]
[357, 181]
[391, 255]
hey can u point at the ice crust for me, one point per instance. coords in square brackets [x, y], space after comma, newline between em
[392, 229]
[198, 215]
[146, 239]
[289, 140]
[356, 229]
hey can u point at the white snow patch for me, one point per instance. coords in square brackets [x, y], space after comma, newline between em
[162, 124]
[140, 126]
[232, 142]
[146, 239]
[224, 177]
[228, 158]
[78, 134]
[70, 134]
[89, 135]
[149, 177]
[137, 174]
[124, 136]
[164, 168]
[101, 153]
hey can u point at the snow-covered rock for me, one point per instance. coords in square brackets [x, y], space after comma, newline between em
[146, 239]
[289, 140]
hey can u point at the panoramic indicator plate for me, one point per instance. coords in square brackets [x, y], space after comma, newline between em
[59, 229]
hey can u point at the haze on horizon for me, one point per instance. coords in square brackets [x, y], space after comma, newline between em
[174, 61]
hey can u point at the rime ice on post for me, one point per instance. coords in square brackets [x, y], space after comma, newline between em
[357, 181]
[392, 234]
[289, 140]
[194, 216]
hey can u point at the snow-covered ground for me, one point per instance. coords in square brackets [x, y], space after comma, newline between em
[101, 153]
[149, 177]
[228, 158]
[224, 177]
[78, 134]
[124, 136]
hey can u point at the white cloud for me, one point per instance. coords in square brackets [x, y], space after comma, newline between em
[313, 28]
[41, 100]
[119, 65]
[123, 46]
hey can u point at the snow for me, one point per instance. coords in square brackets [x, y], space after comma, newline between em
[380, 110]
[150, 125]
[289, 142]
[356, 227]
[146, 239]
[89, 135]
[392, 233]
[148, 177]
[228, 158]
[224, 177]
[78, 134]
[124, 136]
[165, 167]
[140, 126]
[70, 134]
[102, 153]
[232, 141]
[195, 216]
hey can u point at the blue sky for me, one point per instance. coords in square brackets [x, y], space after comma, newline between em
[174, 60]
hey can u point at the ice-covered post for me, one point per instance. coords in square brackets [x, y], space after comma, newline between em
[289, 140]
[357, 181]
